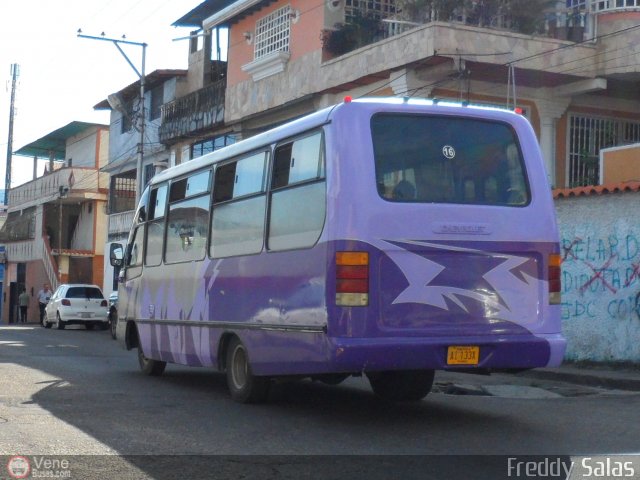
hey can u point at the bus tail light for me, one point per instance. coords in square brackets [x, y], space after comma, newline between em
[555, 261]
[352, 279]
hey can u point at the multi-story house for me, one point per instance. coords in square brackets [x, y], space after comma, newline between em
[571, 68]
[54, 232]
[128, 145]
[193, 123]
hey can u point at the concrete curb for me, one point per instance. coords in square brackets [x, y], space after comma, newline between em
[608, 379]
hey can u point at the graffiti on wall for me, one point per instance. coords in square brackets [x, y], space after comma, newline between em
[601, 275]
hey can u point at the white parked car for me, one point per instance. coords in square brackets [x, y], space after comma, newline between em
[77, 304]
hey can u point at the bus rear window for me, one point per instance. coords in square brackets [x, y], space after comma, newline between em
[439, 159]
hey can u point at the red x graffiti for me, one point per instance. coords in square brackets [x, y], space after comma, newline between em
[599, 273]
[635, 274]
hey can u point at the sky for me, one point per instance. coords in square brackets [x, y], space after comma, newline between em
[62, 76]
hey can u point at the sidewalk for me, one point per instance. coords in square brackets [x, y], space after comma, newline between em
[611, 377]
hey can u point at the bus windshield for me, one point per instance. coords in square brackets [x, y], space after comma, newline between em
[442, 159]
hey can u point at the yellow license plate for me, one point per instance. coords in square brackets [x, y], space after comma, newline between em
[467, 355]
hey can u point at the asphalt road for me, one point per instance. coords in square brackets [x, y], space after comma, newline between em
[76, 395]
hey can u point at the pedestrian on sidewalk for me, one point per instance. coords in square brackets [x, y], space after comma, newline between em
[23, 302]
[43, 298]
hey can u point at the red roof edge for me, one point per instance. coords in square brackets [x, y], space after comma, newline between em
[597, 189]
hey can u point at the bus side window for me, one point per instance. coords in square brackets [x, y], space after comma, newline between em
[134, 253]
[239, 204]
[188, 218]
[298, 198]
[155, 226]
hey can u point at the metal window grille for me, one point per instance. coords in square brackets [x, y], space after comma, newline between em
[377, 9]
[122, 194]
[272, 33]
[587, 136]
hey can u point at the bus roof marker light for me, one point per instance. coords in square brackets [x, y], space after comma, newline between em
[518, 110]
[348, 99]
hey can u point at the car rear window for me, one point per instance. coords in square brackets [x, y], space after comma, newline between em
[442, 159]
[84, 292]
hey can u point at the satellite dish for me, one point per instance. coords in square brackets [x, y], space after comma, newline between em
[115, 102]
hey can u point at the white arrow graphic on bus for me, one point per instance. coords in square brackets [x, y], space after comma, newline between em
[507, 295]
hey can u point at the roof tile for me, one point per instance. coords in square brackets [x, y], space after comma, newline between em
[596, 190]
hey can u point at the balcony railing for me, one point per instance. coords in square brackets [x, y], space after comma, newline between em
[78, 181]
[196, 111]
[565, 24]
[119, 225]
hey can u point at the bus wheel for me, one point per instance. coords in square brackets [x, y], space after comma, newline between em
[149, 366]
[403, 385]
[243, 385]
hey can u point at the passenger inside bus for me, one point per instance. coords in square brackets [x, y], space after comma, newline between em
[404, 191]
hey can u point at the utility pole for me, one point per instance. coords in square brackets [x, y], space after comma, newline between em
[141, 120]
[15, 73]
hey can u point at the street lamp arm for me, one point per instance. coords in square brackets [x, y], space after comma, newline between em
[127, 59]
[141, 75]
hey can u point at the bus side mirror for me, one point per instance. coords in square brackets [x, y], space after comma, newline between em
[116, 254]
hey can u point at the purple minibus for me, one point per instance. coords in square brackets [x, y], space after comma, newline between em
[384, 237]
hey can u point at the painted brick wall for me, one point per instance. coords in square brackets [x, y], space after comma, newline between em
[600, 244]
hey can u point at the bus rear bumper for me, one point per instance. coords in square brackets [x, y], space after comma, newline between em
[508, 352]
[324, 354]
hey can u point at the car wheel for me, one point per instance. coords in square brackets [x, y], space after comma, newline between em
[149, 366]
[113, 325]
[403, 385]
[243, 385]
[47, 324]
[59, 323]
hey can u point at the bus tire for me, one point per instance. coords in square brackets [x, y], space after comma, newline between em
[148, 366]
[402, 385]
[244, 387]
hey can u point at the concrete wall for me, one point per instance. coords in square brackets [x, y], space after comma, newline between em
[620, 164]
[600, 244]
[81, 148]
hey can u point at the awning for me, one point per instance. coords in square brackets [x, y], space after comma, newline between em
[55, 143]
[196, 16]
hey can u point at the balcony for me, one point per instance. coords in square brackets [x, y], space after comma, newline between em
[119, 225]
[363, 29]
[193, 113]
[82, 183]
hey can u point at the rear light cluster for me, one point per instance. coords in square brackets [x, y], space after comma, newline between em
[66, 302]
[555, 262]
[104, 303]
[352, 279]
